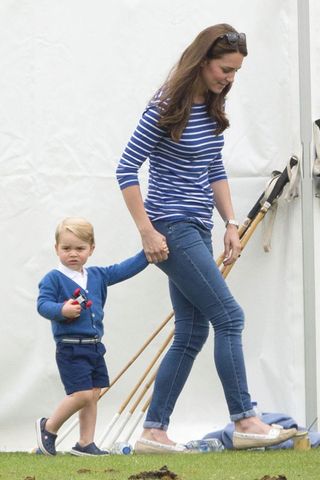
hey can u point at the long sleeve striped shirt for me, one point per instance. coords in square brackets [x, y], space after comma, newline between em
[180, 174]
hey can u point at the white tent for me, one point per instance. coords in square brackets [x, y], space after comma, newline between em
[75, 77]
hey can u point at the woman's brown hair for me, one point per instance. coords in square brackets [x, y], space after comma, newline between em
[176, 96]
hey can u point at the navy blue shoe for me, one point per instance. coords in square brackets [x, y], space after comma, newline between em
[46, 440]
[89, 450]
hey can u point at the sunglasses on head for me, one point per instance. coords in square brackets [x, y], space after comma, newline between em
[233, 38]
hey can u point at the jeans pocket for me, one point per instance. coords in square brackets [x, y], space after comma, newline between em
[174, 227]
[181, 233]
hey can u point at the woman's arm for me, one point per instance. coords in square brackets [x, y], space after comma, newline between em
[153, 242]
[143, 141]
[232, 245]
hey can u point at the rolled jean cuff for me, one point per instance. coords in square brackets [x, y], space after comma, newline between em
[239, 416]
[159, 426]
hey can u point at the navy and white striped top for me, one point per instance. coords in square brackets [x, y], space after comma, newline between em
[180, 174]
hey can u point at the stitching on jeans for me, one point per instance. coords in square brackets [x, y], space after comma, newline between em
[231, 322]
[169, 393]
[235, 370]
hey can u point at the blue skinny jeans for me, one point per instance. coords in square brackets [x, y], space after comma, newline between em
[199, 297]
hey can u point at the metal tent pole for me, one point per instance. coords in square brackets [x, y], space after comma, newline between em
[307, 199]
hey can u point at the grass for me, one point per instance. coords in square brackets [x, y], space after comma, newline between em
[228, 465]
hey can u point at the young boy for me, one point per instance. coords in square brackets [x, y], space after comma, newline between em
[73, 297]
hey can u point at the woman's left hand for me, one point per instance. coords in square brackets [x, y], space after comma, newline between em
[232, 245]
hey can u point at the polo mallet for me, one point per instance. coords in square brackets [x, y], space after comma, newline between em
[137, 420]
[134, 358]
[276, 191]
[119, 375]
[254, 211]
[130, 413]
[116, 417]
[243, 227]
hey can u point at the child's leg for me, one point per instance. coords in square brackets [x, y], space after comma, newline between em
[70, 404]
[87, 418]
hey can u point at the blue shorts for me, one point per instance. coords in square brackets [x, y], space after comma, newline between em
[82, 367]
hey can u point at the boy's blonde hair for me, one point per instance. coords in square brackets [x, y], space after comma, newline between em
[80, 227]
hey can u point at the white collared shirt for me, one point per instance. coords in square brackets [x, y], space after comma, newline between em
[78, 277]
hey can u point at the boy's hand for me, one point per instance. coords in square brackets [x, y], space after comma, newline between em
[71, 309]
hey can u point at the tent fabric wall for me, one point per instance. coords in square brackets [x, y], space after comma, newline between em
[75, 78]
[315, 92]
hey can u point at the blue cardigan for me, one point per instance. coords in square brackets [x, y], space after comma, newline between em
[56, 288]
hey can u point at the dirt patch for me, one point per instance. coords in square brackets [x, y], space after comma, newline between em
[88, 470]
[163, 473]
[278, 477]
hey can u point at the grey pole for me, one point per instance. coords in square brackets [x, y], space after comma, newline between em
[307, 199]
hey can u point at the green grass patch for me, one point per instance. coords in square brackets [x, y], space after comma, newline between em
[228, 465]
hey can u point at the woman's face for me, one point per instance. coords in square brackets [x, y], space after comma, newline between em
[220, 72]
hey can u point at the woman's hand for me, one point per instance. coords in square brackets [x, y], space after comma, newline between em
[232, 245]
[154, 245]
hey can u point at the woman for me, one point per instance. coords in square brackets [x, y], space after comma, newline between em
[181, 132]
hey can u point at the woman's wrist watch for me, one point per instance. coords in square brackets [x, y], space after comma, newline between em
[232, 221]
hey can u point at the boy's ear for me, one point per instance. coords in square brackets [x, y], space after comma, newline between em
[56, 248]
[92, 248]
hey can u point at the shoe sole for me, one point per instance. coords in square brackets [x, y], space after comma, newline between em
[39, 439]
[84, 454]
[142, 448]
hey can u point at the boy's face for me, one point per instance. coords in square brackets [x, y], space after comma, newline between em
[72, 251]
